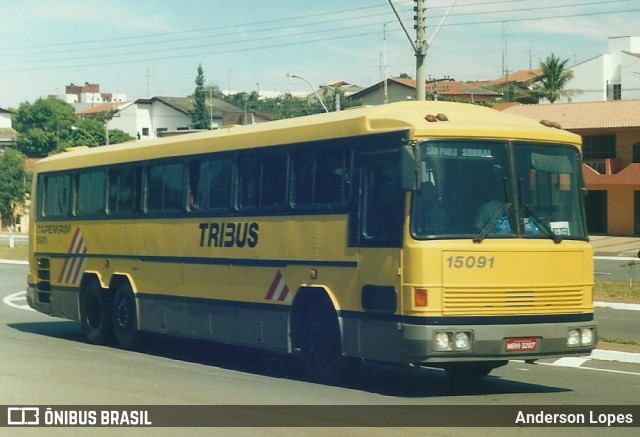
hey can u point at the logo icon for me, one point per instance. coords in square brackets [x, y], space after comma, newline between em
[23, 416]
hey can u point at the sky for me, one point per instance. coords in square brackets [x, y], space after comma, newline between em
[148, 48]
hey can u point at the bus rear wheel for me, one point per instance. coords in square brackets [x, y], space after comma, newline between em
[94, 313]
[125, 318]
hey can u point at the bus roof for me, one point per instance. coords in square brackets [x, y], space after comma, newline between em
[462, 121]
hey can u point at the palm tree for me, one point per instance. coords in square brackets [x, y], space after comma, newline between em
[553, 79]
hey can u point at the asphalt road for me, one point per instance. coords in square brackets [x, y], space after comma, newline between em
[617, 269]
[45, 361]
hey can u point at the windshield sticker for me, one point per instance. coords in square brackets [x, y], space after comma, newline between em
[560, 228]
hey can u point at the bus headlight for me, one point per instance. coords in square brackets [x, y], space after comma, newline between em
[462, 341]
[442, 341]
[573, 339]
[586, 336]
[580, 337]
[453, 340]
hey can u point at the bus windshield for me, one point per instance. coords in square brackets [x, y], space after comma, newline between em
[485, 189]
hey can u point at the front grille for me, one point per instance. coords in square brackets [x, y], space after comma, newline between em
[508, 301]
[44, 280]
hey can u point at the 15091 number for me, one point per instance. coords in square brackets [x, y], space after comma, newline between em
[470, 262]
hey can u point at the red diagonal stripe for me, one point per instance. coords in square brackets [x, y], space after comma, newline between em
[274, 286]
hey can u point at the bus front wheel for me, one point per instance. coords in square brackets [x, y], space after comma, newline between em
[321, 348]
[94, 314]
[125, 319]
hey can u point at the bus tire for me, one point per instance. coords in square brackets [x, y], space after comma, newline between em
[95, 313]
[321, 348]
[125, 319]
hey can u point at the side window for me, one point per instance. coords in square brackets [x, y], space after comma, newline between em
[124, 190]
[165, 187]
[382, 204]
[210, 184]
[319, 178]
[90, 193]
[262, 180]
[57, 196]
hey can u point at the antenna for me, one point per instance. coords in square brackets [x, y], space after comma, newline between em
[148, 76]
[505, 50]
[384, 63]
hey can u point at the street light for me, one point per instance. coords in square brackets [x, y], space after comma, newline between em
[312, 88]
[87, 133]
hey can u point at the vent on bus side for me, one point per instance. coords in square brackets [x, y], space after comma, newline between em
[44, 280]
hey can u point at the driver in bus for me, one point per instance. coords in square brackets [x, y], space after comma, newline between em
[490, 209]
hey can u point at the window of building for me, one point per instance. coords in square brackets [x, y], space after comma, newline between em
[617, 92]
[599, 146]
[636, 153]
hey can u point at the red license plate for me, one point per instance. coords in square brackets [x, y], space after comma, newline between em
[521, 344]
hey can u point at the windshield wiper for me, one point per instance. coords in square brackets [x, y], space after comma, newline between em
[491, 223]
[536, 218]
[542, 224]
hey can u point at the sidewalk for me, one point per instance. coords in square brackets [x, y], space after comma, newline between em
[604, 245]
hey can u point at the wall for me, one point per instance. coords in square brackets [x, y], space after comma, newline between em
[5, 119]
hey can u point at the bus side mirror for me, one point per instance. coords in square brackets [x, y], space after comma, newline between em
[410, 168]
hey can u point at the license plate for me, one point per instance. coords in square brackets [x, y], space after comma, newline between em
[521, 344]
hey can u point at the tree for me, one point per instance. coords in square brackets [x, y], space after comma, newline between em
[13, 179]
[199, 115]
[554, 79]
[44, 127]
[87, 133]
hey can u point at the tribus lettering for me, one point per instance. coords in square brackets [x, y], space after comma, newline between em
[229, 234]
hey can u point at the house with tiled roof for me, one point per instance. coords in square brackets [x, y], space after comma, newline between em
[524, 77]
[399, 90]
[164, 116]
[516, 85]
[610, 133]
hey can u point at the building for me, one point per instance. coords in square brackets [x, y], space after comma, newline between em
[611, 148]
[514, 86]
[164, 116]
[7, 133]
[399, 90]
[89, 95]
[614, 75]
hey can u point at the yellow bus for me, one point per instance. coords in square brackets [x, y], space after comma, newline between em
[418, 233]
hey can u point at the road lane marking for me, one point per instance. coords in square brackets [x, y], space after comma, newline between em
[15, 300]
[570, 361]
[617, 258]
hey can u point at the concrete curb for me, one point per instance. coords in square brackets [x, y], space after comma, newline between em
[11, 261]
[608, 355]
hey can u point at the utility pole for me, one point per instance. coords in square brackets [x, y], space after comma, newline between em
[421, 49]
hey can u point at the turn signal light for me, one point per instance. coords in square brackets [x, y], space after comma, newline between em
[420, 298]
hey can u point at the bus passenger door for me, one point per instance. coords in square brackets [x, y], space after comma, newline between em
[376, 230]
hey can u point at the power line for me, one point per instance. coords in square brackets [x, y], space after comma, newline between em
[221, 31]
[301, 41]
